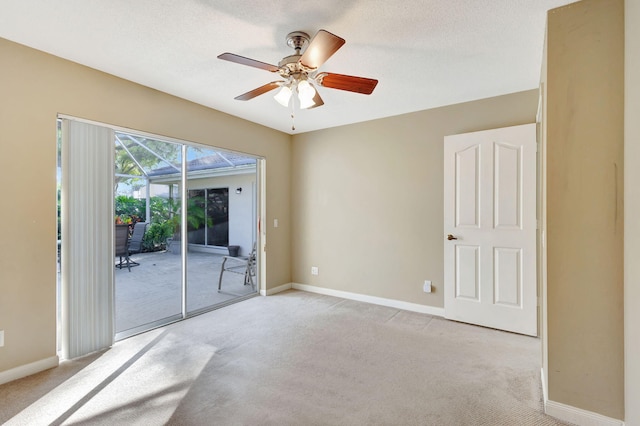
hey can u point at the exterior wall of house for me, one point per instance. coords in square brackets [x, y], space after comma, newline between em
[34, 88]
[585, 230]
[368, 198]
[241, 206]
[632, 212]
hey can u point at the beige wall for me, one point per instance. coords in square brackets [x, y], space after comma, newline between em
[368, 198]
[632, 210]
[373, 229]
[584, 152]
[34, 88]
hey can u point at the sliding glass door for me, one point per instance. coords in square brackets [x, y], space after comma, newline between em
[209, 225]
[221, 221]
[174, 213]
[148, 280]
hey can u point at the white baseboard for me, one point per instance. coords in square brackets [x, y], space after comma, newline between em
[574, 415]
[28, 369]
[545, 398]
[275, 290]
[392, 303]
[578, 416]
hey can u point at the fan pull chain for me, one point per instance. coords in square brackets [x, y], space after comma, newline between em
[293, 118]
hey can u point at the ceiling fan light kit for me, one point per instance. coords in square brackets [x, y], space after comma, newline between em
[300, 71]
[283, 96]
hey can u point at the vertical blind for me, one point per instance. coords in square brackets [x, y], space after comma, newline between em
[87, 250]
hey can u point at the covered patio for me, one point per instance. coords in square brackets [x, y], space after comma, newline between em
[152, 291]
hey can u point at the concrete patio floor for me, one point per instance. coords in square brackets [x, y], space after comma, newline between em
[152, 291]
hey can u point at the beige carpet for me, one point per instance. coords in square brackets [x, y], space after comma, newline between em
[294, 359]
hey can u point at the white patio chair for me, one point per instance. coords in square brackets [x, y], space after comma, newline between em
[240, 265]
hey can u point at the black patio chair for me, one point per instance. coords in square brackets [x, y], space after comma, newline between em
[135, 242]
[122, 247]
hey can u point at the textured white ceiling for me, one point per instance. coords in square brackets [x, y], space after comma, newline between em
[425, 53]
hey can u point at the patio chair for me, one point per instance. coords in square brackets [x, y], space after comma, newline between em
[240, 265]
[122, 247]
[135, 242]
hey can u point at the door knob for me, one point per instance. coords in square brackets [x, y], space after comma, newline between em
[451, 237]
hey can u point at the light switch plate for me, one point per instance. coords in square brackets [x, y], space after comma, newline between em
[1, 338]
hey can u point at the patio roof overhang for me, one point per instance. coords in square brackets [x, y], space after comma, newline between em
[158, 161]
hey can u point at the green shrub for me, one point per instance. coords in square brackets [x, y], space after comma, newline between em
[155, 238]
[161, 209]
[130, 207]
[134, 208]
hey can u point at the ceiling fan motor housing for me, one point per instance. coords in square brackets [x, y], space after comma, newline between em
[290, 66]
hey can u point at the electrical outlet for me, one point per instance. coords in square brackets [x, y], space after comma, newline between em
[1, 338]
[427, 286]
[314, 270]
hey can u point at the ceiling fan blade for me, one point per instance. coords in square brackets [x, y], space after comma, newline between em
[232, 57]
[259, 91]
[347, 82]
[322, 46]
[317, 101]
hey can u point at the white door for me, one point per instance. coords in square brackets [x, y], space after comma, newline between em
[490, 228]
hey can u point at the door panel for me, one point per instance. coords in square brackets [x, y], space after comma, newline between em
[508, 276]
[508, 181]
[467, 186]
[490, 199]
[468, 272]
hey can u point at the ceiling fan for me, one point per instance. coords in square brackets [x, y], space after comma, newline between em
[300, 71]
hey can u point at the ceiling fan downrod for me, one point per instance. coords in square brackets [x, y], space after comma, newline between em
[297, 40]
